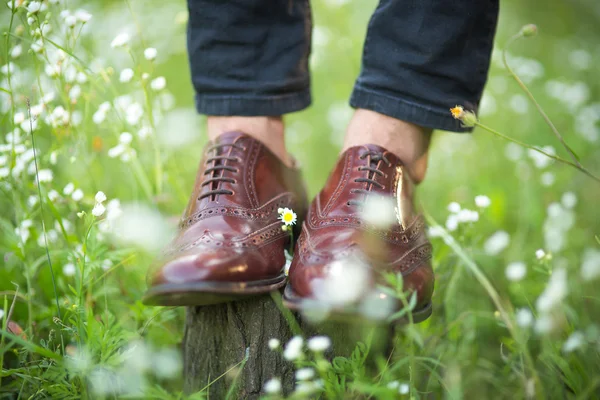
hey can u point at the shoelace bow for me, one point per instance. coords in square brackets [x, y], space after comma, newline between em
[374, 156]
[212, 171]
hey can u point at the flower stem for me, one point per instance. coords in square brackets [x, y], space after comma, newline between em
[537, 105]
[557, 158]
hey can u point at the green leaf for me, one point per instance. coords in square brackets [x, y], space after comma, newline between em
[5, 90]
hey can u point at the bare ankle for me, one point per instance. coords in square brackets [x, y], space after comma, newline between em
[408, 141]
[268, 130]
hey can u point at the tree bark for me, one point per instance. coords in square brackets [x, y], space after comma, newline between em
[219, 336]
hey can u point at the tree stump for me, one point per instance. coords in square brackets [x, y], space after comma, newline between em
[217, 338]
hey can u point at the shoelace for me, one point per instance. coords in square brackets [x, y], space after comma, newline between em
[216, 179]
[374, 156]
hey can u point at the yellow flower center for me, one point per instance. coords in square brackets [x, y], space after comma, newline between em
[288, 217]
[457, 112]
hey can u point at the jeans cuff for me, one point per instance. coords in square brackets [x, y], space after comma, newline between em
[406, 110]
[252, 106]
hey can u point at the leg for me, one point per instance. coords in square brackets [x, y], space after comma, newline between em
[420, 58]
[249, 65]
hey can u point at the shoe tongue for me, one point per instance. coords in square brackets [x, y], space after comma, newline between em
[375, 153]
[230, 137]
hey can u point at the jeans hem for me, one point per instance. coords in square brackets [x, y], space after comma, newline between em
[250, 106]
[406, 110]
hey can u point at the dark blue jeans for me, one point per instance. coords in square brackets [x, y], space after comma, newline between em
[420, 58]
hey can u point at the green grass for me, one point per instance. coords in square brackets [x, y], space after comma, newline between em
[84, 324]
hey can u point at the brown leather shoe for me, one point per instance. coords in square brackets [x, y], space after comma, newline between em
[336, 239]
[230, 243]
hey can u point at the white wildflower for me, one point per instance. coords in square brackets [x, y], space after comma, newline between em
[293, 349]
[544, 324]
[126, 75]
[516, 271]
[274, 343]
[75, 92]
[150, 53]
[319, 343]
[99, 117]
[16, 51]
[496, 243]
[120, 40]
[69, 269]
[540, 253]
[547, 179]
[524, 317]
[70, 21]
[69, 189]
[454, 207]
[540, 160]
[435, 231]
[482, 201]
[379, 211]
[32, 200]
[555, 291]
[272, 386]
[393, 385]
[53, 195]
[466, 216]
[116, 151]
[144, 132]
[513, 151]
[37, 46]
[305, 374]
[346, 281]
[77, 195]
[125, 138]
[81, 77]
[45, 175]
[166, 363]
[158, 83]
[98, 210]
[83, 15]
[452, 222]
[134, 113]
[34, 6]
[18, 118]
[590, 266]
[100, 197]
[139, 225]
[404, 388]
[573, 342]
[569, 199]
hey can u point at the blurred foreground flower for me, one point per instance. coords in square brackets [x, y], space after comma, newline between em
[272, 386]
[274, 344]
[319, 343]
[555, 291]
[141, 226]
[496, 243]
[346, 281]
[379, 211]
[293, 349]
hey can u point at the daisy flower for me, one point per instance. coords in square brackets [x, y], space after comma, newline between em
[287, 216]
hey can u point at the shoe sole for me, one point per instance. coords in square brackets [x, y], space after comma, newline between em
[206, 293]
[348, 314]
